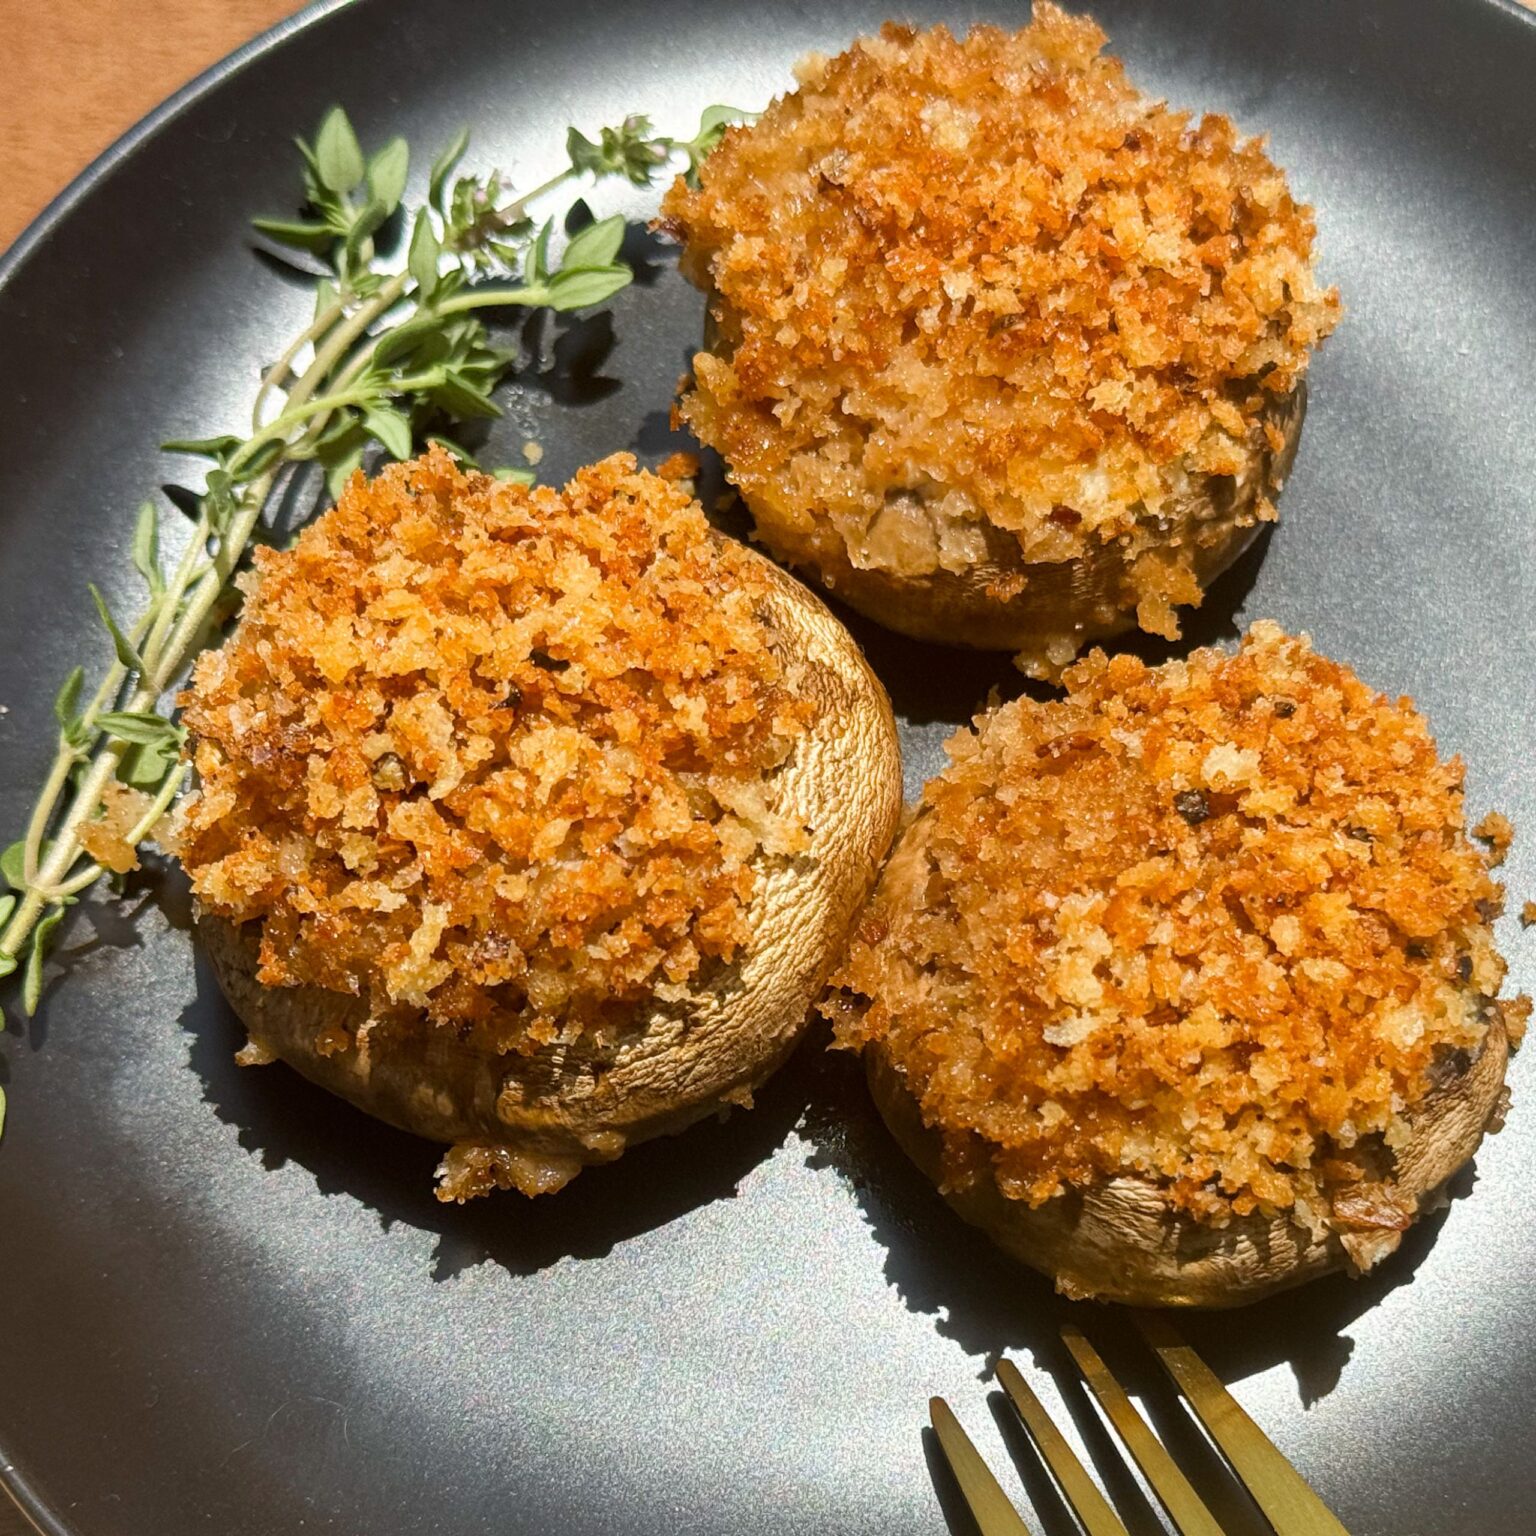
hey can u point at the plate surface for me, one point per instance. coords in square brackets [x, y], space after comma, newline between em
[233, 1305]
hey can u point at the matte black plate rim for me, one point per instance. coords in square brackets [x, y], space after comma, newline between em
[32, 238]
[37, 232]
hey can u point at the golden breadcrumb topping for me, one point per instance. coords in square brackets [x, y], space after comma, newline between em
[495, 753]
[991, 275]
[1213, 923]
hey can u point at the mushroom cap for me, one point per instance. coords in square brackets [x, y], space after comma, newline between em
[1005, 350]
[532, 1121]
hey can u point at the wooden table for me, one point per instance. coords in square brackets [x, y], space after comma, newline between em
[78, 74]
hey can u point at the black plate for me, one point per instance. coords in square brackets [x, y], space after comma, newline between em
[232, 1304]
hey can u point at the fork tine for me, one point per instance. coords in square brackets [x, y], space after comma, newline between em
[1171, 1486]
[994, 1515]
[1277, 1487]
[1088, 1504]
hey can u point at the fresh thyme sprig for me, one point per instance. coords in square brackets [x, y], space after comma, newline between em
[388, 357]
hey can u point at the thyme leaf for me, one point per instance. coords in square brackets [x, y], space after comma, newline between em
[391, 358]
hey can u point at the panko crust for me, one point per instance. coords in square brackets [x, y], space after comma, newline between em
[528, 1113]
[1016, 1052]
[493, 752]
[979, 305]
[1123, 1240]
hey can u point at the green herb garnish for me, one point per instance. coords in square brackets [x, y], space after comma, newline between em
[388, 355]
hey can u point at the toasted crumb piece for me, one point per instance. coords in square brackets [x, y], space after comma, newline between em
[1528, 915]
[105, 839]
[1498, 832]
[469, 1169]
[1516, 1013]
[740, 1096]
[678, 466]
[533, 453]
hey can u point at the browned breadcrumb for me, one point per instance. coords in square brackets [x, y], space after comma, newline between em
[985, 281]
[1528, 915]
[678, 466]
[106, 838]
[1495, 830]
[1516, 1013]
[470, 1170]
[1210, 923]
[496, 753]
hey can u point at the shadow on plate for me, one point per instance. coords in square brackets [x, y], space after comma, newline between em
[283, 1119]
[950, 684]
[646, 254]
[564, 356]
[943, 1268]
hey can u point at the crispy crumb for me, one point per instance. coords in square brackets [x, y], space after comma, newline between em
[679, 466]
[493, 752]
[470, 1169]
[1496, 830]
[105, 839]
[1211, 923]
[533, 453]
[985, 284]
[1528, 915]
[1516, 1012]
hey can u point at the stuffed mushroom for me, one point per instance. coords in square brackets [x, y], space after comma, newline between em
[530, 821]
[1004, 352]
[1183, 987]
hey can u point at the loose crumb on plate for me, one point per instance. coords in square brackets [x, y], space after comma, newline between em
[679, 466]
[1495, 830]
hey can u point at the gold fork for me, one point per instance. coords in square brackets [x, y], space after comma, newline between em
[1288, 1503]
